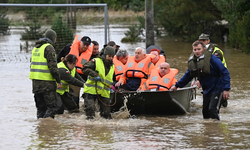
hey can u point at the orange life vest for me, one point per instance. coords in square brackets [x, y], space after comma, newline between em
[158, 83]
[84, 57]
[138, 70]
[161, 60]
[119, 68]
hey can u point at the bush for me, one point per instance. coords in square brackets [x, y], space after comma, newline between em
[4, 24]
[64, 33]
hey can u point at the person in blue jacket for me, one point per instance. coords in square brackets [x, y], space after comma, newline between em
[213, 76]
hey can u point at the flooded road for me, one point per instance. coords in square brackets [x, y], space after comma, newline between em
[19, 128]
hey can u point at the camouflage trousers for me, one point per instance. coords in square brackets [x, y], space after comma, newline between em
[46, 104]
[89, 105]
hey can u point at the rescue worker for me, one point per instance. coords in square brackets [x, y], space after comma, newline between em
[158, 59]
[138, 70]
[112, 44]
[217, 52]
[95, 51]
[161, 79]
[44, 75]
[100, 73]
[83, 50]
[213, 76]
[120, 60]
[68, 75]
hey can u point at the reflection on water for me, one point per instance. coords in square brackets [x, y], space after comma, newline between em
[19, 128]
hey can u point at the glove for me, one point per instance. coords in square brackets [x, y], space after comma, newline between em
[97, 79]
[112, 87]
[111, 90]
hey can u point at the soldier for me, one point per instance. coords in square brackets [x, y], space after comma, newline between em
[68, 75]
[44, 75]
[100, 72]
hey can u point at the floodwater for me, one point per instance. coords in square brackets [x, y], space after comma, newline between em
[19, 128]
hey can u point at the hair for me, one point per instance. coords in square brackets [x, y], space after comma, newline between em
[196, 43]
[143, 51]
[72, 59]
[111, 43]
[121, 53]
[95, 43]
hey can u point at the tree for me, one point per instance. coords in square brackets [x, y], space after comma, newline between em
[237, 13]
[64, 33]
[187, 18]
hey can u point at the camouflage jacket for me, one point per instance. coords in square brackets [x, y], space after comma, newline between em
[66, 75]
[40, 86]
[89, 67]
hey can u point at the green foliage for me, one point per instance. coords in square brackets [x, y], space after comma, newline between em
[64, 33]
[33, 32]
[4, 24]
[237, 13]
[137, 5]
[187, 18]
[133, 34]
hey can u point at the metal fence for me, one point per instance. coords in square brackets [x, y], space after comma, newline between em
[23, 18]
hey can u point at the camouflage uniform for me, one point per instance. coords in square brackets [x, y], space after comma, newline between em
[45, 91]
[89, 99]
[67, 99]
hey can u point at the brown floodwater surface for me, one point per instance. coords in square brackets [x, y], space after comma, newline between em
[19, 128]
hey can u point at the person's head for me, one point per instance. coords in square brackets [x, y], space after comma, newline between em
[164, 69]
[198, 48]
[140, 54]
[122, 55]
[112, 44]
[84, 44]
[51, 34]
[70, 60]
[204, 38]
[109, 53]
[155, 52]
[95, 47]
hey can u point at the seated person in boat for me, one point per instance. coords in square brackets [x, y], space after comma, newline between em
[69, 75]
[138, 70]
[161, 79]
[156, 58]
[120, 61]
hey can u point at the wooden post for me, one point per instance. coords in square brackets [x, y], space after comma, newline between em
[149, 23]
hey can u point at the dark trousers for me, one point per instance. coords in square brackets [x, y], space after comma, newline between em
[211, 106]
[89, 104]
[66, 101]
[46, 104]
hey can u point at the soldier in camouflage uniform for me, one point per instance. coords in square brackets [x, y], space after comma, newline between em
[44, 75]
[68, 75]
[100, 73]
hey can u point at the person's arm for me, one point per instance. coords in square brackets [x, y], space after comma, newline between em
[183, 81]
[219, 67]
[89, 69]
[49, 54]
[66, 75]
[63, 52]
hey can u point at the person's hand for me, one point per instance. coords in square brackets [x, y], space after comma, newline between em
[197, 83]
[59, 85]
[83, 85]
[173, 88]
[97, 79]
[139, 89]
[225, 95]
[119, 83]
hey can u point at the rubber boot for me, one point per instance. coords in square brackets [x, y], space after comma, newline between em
[76, 99]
